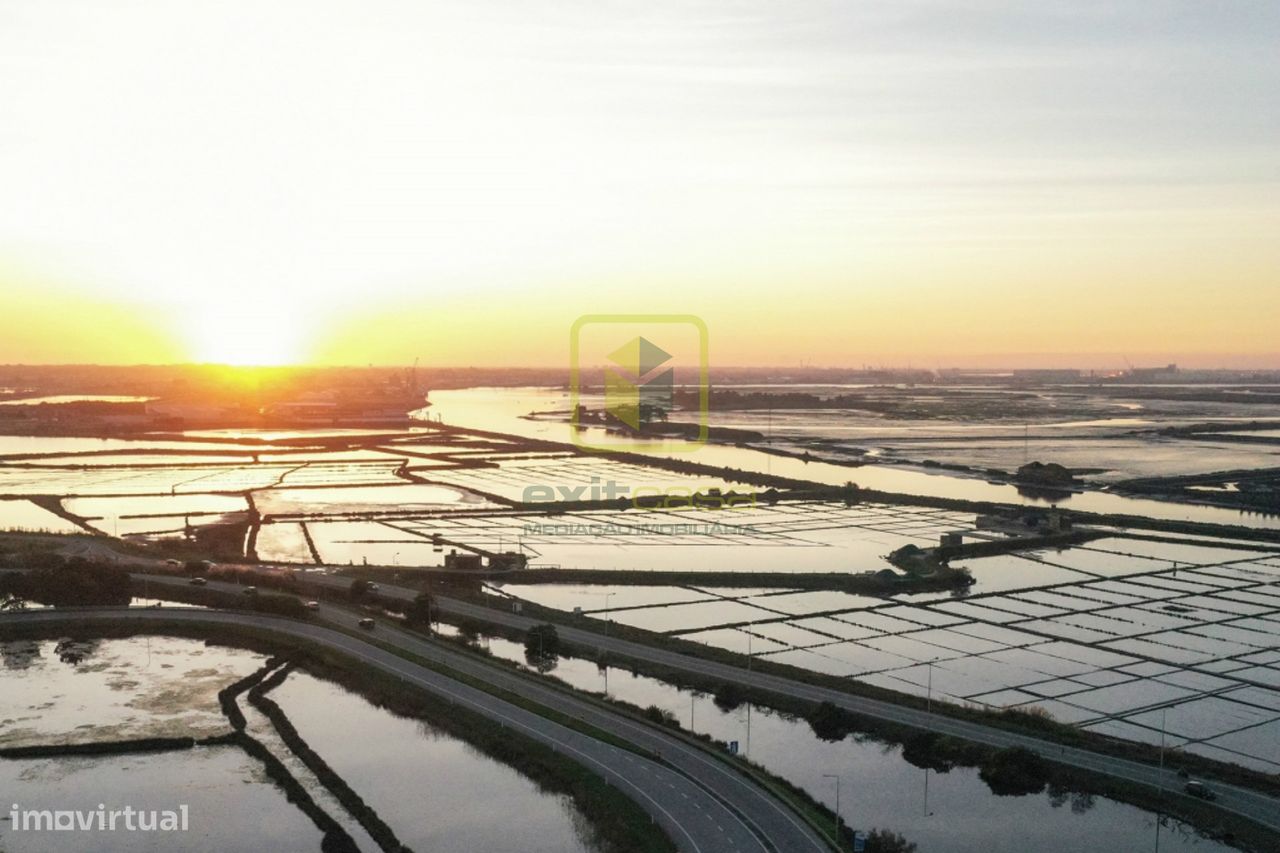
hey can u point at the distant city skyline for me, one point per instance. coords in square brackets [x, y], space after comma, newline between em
[928, 184]
[1099, 364]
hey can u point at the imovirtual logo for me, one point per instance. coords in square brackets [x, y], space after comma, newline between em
[638, 380]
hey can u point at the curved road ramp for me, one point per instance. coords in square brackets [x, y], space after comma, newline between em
[703, 803]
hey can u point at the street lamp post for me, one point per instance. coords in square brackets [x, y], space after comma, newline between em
[1159, 815]
[1163, 712]
[748, 749]
[839, 819]
[607, 620]
[929, 701]
[926, 792]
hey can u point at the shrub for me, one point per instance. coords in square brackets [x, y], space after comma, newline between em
[542, 640]
[729, 696]
[418, 613]
[1014, 772]
[830, 722]
[279, 605]
[542, 647]
[927, 750]
[885, 841]
[661, 716]
[76, 583]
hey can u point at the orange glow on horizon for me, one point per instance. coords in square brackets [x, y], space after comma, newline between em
[463, 184]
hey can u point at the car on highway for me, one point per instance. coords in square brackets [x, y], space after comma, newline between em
[197, 581]
[312, 605]
[367, 624]
[1201, 790]
[372, 587]
[250, 590]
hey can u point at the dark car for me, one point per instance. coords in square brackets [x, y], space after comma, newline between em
[1201, 790]
[367, 624]
[197, 581]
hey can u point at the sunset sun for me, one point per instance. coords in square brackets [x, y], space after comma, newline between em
[245, 339]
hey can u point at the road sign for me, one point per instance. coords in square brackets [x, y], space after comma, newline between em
[859, 842]
[733, 747]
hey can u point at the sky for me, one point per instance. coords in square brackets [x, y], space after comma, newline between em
[824, 183]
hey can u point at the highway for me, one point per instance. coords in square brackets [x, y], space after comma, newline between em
[1257, 807]
[704, 805]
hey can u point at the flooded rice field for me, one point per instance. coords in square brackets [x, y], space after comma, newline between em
[435, 791]
[23, 515]
[60, 399]
[63, 692]
[357, 499]
[1118, 636]
[59, 691]
[908, 481]
[879, 787]
[390, 497]
[800, 537]
[1109, 459]
[508, 409]
[40, 445]
[231, 805]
